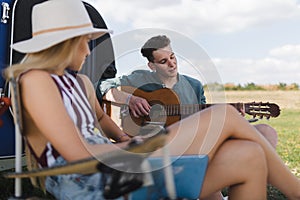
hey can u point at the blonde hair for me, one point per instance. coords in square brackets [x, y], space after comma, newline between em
[51, 59]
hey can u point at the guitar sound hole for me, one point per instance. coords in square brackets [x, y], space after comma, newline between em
[157, 115]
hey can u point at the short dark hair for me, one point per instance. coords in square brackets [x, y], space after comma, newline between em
[154, 43]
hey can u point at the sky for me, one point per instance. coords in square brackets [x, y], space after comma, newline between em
[226, 41]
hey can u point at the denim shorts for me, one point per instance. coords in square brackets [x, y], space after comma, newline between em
[76, 186]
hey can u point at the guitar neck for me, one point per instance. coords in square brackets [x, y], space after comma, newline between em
[174, 110]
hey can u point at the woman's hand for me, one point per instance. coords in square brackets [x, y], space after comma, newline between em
[123, 138]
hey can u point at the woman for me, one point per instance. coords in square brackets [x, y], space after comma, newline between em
[60, 125]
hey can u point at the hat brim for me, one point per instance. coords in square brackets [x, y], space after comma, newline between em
[45, 41]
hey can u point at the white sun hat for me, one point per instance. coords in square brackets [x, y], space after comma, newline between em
[55, 21]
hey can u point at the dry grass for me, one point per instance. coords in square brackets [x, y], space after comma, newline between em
[285, 99]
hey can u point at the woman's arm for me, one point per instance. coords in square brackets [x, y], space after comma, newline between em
[108, 126]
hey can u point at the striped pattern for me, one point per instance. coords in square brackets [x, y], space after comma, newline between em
[76, 103]
[80, 111]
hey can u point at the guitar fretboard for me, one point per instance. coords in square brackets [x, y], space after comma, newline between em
[174, 110]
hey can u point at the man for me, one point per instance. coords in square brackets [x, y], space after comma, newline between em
[163, 63]
[164, 74]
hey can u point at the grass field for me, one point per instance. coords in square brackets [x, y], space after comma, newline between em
[287, 125]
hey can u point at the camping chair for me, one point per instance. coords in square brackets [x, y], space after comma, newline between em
[181, 166]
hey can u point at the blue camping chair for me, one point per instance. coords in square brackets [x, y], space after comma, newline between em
[188, 173]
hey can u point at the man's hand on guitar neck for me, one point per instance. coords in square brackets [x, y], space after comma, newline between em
[242, 111]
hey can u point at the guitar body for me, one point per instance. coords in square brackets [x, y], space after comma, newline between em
[157, 99]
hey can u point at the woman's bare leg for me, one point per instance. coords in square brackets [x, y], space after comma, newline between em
[241, 164]
[205, 132]
[269, 133]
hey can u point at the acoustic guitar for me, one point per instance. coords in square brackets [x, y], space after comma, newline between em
[166, 109]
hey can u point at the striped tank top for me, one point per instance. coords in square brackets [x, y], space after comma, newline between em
[79, 110]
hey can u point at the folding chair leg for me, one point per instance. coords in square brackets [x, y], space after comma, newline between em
[168, 171]
[18, 163]
[18, 136]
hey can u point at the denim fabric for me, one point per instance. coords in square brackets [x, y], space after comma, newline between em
[77, 186]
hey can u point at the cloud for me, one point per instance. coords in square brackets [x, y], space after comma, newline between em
[281, 65]
[269, 70]
[287, 52]
[198, 16]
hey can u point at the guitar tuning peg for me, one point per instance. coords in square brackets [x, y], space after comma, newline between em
[252, 120]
